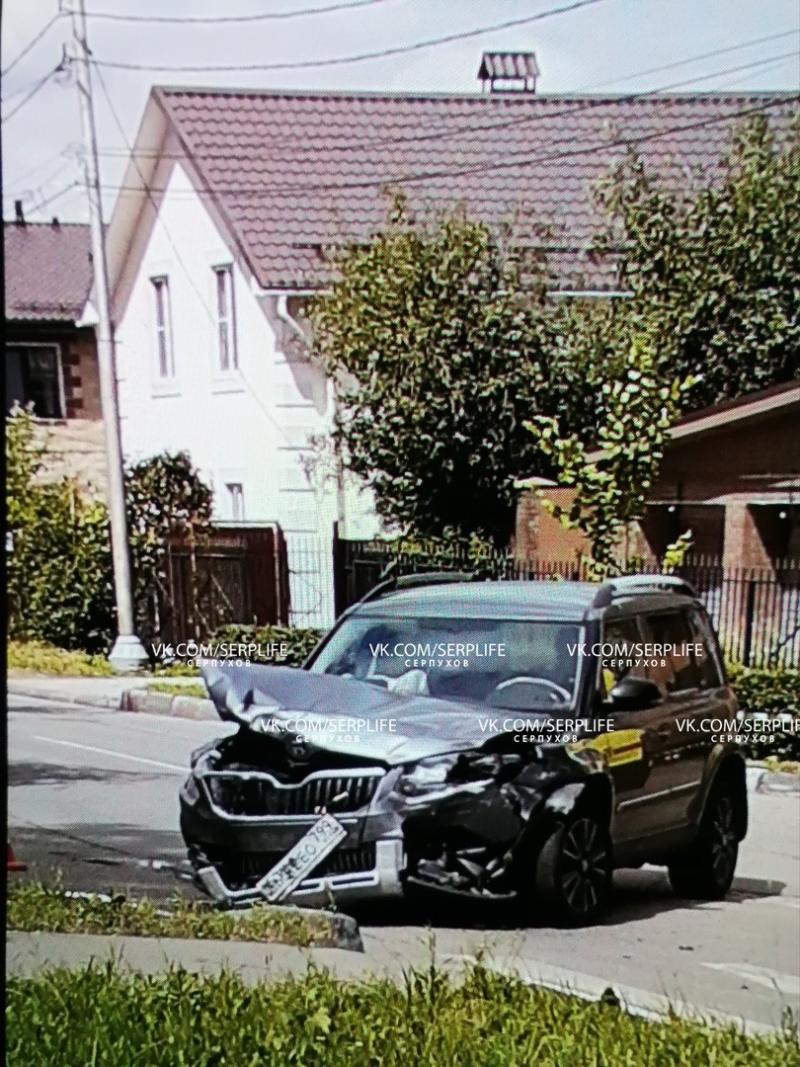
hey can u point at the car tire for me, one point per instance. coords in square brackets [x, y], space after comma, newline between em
[706, 871]
[573, 871]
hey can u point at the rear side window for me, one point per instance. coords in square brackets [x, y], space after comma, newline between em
[675, 666]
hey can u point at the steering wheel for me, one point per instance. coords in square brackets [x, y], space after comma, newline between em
[557, 693]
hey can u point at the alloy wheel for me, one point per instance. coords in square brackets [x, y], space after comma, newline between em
[584, 866]
[723, 843]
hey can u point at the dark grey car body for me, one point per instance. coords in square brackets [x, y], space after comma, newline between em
[253, 795]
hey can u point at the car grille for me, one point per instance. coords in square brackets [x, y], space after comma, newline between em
[239, 794]
[246, 868]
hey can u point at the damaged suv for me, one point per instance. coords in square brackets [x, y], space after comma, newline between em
[493, 740]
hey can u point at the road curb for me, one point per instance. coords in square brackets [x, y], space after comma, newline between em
[181, 707]
[112, 703]
[136, 699]
[778, 782]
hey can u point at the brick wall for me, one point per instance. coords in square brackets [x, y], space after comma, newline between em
[81, 378]
[75, 448]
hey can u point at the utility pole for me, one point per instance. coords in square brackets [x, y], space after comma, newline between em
[128, 652]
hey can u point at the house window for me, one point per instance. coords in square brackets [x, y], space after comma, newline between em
[235, 500]
[227, 356]
[33, 376]
[165, 359]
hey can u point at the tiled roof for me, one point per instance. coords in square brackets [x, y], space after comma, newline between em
[295, 173]
[48, 270]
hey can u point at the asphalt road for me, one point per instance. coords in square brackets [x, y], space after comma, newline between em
[93, 794]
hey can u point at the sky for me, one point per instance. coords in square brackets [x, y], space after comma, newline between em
[604, 46]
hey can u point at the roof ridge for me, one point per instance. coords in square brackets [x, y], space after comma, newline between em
[28, 223]
[481, 98]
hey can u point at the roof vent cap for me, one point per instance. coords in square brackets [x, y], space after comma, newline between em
[508, 72]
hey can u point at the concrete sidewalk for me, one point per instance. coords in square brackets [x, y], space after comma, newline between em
[121, 693]
[30, 953]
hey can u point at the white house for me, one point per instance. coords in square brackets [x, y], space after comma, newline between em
[220, 231]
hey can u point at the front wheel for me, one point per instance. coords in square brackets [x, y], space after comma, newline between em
[573, 871]
[706, 871]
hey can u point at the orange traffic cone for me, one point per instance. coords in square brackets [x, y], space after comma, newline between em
[12, 863]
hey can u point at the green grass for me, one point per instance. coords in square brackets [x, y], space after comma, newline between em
[42, 658]
[38, 657]
[33, 906]
[176, 689]
[111, 1018]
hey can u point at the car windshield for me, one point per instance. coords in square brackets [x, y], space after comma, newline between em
[511, 664]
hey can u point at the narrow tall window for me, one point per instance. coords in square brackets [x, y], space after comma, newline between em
[235, 500]
[164, 354]
[227, 357]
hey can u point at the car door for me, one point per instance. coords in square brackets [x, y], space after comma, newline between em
[692, 700]
[636, 751]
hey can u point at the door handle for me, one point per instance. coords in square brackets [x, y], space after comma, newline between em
[664, 731]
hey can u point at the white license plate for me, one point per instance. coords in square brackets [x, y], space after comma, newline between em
[302, 858]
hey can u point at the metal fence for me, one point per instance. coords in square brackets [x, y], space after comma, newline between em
[756, 611]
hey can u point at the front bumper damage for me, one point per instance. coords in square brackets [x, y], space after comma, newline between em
[382, 882]
[464, 839]
[253, 796]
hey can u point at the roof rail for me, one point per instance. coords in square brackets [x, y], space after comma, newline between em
[411, 581]
[638, 585]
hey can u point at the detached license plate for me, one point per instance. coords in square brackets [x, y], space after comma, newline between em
[302, 858]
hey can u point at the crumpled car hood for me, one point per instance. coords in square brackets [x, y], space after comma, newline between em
[280, 696]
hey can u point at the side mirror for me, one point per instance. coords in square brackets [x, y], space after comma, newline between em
[635, 694]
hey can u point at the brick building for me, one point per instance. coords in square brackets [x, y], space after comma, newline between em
[730, 474]
[50, 351]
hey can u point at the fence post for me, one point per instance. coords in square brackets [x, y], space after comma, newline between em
[749, 616]
[339, 548]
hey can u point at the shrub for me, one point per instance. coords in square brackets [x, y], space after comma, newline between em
[59, 574]
[770, 691]
[60, 577]
[47, 659]
[300, 641]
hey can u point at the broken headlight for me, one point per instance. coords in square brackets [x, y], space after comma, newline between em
[430, 775]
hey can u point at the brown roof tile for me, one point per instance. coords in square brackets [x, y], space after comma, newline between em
[297, 172]
[48, 270]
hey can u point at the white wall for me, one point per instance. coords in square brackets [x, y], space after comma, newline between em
[250, 427]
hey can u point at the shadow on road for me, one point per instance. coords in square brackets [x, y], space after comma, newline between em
[55, 774]
[98, 857]
[638, 895]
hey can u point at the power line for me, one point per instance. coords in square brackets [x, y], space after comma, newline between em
[55, 196]
[31, 44]
[38, 166]
[574, 108]
[270, 16]
[358, 58]
[42, 81]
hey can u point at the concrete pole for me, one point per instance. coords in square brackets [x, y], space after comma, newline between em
[128, 652]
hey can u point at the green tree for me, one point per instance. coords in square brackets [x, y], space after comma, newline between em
[611, 486]
[437, 337]
[715, 272]
[165, 497]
